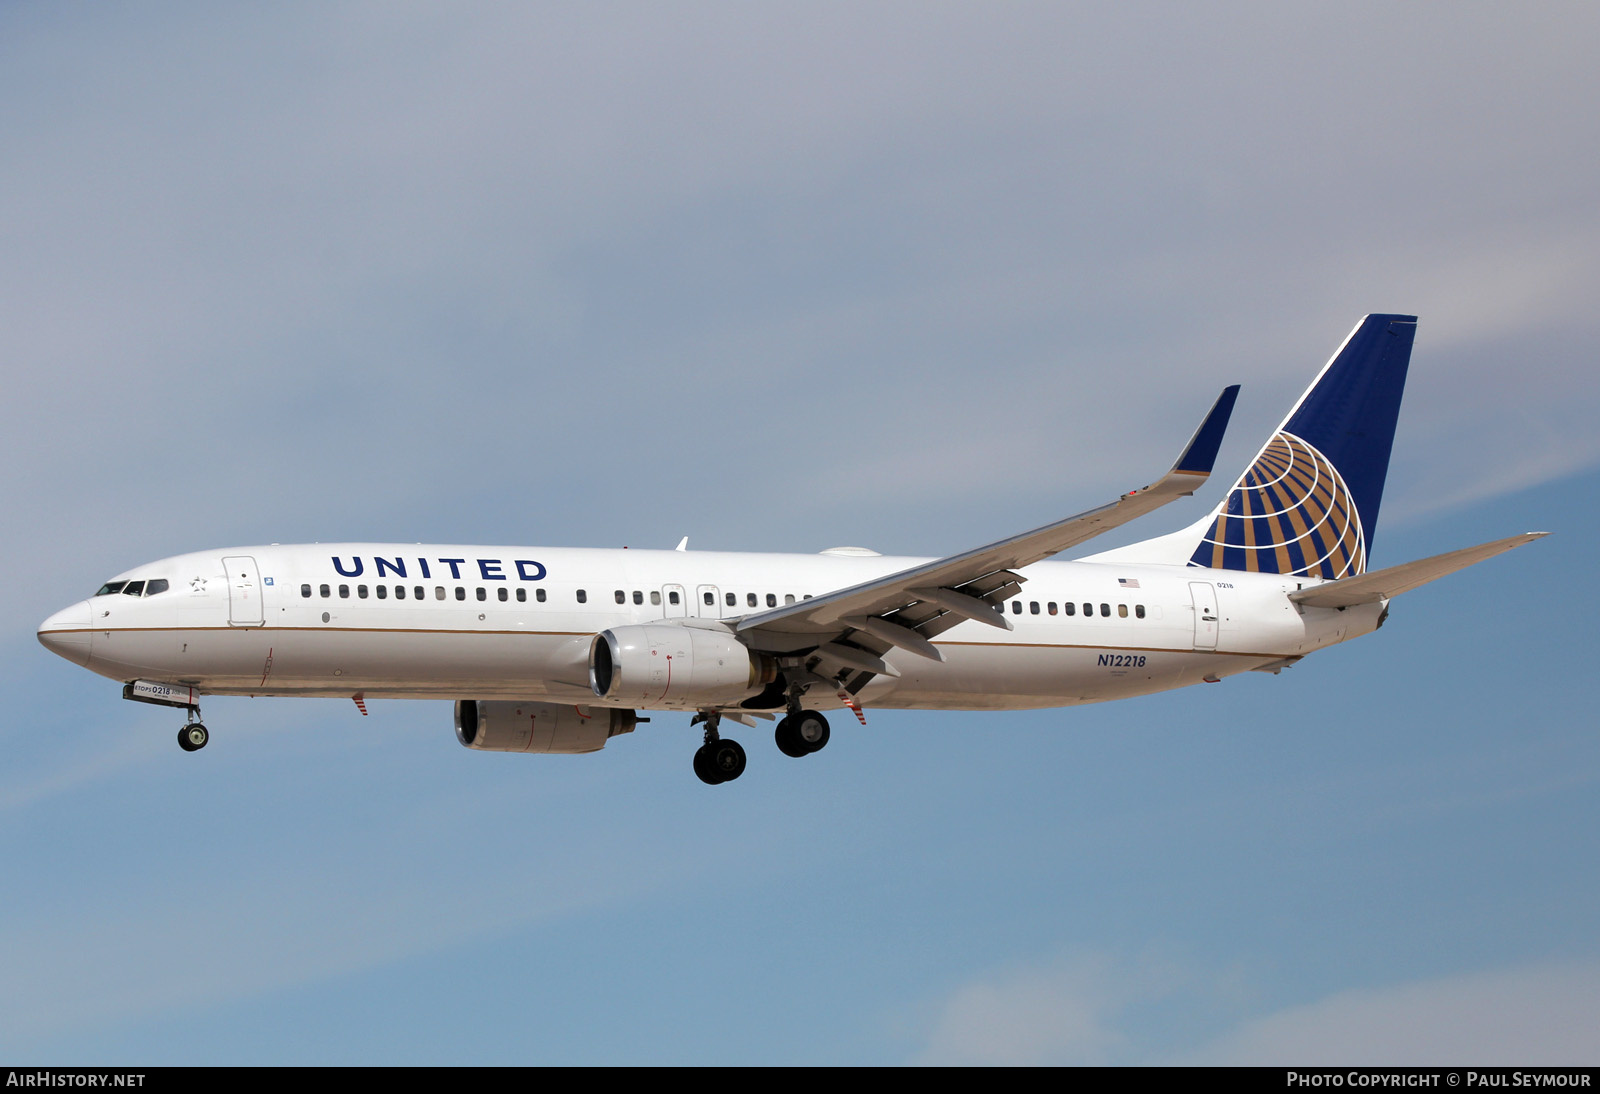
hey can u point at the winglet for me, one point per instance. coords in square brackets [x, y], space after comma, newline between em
[943, 583]
[1200, 455]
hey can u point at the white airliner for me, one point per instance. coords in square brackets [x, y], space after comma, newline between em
[556, 649]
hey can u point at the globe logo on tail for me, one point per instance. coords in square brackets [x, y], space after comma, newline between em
[1290, 513]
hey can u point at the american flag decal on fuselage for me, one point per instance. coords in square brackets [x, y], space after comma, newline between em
[1290, 513]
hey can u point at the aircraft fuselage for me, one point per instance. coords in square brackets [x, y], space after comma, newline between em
[420, 622]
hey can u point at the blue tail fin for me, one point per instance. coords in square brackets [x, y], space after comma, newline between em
[1308, 504]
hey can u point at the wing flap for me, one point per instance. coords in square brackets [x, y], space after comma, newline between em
[1394, 580]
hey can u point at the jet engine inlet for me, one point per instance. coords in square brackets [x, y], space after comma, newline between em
[500, 725]
[662, 665]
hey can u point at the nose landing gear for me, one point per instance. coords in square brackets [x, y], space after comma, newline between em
[193, 737]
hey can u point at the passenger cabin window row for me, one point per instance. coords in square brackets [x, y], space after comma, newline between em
[638, 597]
[1070, 608]
[504, 595]
[708, 597]
[420, 592]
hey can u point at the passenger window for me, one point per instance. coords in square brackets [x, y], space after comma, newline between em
[1088, 609]
[383, 592]
[711, 600]
[638, 597]
[482, 595]
[420, 593]
[325, 591]
[344, 592]
[583, 596]
[461, 593]
[522, 596]
[159, 585]
[133, 588]
[788, 598]
[502, 594]
[750, 599]
[1122, 611]
[1033, 607]
[305, 590]
[361, 592]
[438, 592]
[772, 600]
[1138, 610]
[730, 600]
[1069, 608]
[538, 594]
[1105, 610]
[672, 597]
[1051, 607]
[622, 597]
[1016, 607]
[655, 597]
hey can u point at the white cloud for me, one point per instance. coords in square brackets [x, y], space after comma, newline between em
[1105, 1010]
[1067, 1012]
[1546, 1014]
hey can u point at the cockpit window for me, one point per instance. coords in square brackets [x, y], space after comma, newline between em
[134, 588]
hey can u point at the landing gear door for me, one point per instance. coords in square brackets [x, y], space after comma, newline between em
[244, 592]
[1205, 614]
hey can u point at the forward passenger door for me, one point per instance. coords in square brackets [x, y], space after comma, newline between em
[244, 592]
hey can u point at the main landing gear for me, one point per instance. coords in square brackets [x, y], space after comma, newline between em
[719, 760]
[801, 733]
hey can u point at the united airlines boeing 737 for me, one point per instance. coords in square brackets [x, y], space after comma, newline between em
[556, 649]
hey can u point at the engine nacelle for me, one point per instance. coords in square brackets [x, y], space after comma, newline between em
[674, 666]
[502, 725]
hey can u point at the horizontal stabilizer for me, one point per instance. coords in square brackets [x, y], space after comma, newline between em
[1394, 580]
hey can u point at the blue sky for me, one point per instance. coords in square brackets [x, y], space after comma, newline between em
[781, 278]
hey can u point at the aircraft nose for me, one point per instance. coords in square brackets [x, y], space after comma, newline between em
[67, 633]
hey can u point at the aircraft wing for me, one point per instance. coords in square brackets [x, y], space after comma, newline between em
[907, 608]
[1394, 580]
